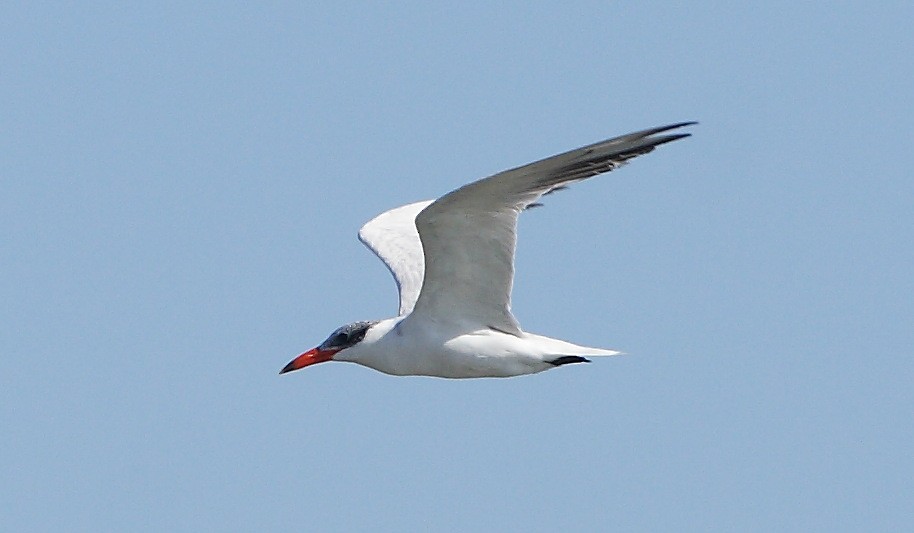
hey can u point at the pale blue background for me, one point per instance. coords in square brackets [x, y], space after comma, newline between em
[181, 189]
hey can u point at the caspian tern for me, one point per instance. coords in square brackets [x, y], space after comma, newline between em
[453, 261]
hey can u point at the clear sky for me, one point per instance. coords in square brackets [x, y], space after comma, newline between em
[180, 190]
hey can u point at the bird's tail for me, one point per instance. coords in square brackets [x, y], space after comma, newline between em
[585, 350]
[563, 349]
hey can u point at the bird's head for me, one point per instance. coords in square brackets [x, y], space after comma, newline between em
[341, 339]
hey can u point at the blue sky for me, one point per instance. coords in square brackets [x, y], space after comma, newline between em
[180, 190]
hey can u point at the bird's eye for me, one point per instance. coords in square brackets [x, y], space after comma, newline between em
[340, 339]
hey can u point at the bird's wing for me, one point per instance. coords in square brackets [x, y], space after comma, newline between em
[469, 235]
[392, 236]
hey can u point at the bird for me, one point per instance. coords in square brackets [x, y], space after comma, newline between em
[453, 262]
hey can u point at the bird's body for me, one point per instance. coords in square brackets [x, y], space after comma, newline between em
[408, 347]
[453, 260]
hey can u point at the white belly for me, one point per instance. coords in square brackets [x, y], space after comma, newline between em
[397, 346]
[425, 352]
[473, 355]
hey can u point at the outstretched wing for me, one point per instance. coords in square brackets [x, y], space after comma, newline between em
[393, 237]
[469, 235]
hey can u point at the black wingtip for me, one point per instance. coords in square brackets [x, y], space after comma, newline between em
[677, 125]
[568, 359]
[654, 131]
[669, 138]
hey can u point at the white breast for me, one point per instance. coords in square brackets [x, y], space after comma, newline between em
[401, 348]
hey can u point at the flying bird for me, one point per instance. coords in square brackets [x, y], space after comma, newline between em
[453, 261]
